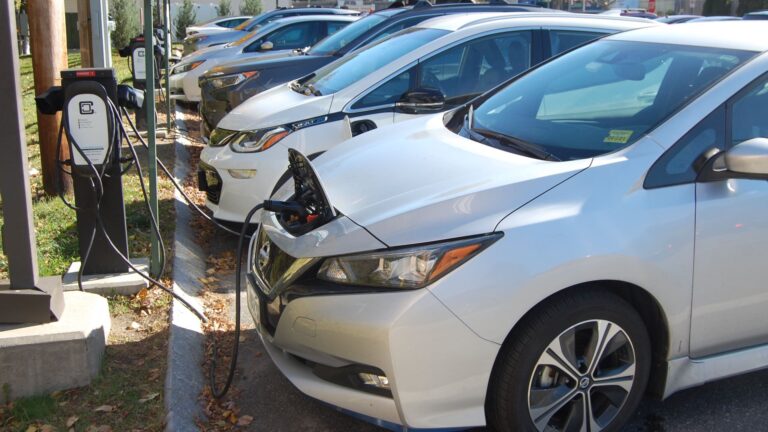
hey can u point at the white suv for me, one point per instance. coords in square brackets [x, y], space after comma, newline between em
[539, 259]
[437, 65]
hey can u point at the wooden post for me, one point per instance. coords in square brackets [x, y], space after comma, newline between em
[49, 56]
[84, 29]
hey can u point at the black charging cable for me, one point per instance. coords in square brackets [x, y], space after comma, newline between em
[219, 393]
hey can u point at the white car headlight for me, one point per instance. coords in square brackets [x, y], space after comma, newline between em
[408, 268]
[258, 140]
[186, 67]
[230, 80]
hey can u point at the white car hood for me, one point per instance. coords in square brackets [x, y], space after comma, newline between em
[274, 107]
[415, 182]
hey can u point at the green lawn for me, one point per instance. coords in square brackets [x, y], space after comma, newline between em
[54, 222]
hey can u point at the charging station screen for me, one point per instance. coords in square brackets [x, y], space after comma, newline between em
[88, 126]
[139, 64]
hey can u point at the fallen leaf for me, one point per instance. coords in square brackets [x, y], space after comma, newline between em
[105, 408]
[142, 294]
[72, 420]
[245, 420]
[47, 428]
[32, 428]
[149, 397]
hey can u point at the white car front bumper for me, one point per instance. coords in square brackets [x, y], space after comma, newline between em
[438, 369]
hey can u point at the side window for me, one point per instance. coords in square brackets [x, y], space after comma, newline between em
[334, 26]
[749, 114]
[293, 36]
[472, 68]
[232, 23]
[676, 165]
[563, 40]
[389, 92]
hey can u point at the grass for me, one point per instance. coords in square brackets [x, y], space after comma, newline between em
[57, 244]
[131, 382]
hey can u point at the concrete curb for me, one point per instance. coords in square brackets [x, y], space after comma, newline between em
[184, 378]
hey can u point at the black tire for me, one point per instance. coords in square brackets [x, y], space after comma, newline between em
[570, 315]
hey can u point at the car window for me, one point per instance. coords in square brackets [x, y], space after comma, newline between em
[292, 36]
[563, 40]
[357, 65]
[603, 96]
[396, 27]
[232, 23]
[332, 44]
[676, 166]
[749, 114]
[334, 26]
[460, 72]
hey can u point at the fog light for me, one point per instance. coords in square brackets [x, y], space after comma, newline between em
[378, 381]
[242, 173]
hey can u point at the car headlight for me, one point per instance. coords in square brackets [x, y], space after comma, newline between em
[408, 268]
[219, 137]
[187, 67]
[230, 80]
[258, 140]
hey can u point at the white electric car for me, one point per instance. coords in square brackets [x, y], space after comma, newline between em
[431, 67]
[275, 39]
[540, 259]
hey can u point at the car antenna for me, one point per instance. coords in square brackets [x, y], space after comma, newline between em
[422, 4]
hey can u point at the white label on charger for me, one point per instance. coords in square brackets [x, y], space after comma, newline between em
[87, 123]
[139, 64]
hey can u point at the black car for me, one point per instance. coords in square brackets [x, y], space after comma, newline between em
[228, 85]
[195, 42]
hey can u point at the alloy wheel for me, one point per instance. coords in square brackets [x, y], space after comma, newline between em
[582, 379]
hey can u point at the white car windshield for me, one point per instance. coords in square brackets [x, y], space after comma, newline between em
[597, 99]
[356, 66]
[338, 40]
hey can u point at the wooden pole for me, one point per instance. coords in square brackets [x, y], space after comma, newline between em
[84, 27]
[49, 56]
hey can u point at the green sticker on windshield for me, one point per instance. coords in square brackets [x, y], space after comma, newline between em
[618, 136]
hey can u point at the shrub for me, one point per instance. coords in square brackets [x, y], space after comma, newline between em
[186, 17]
[224, 8]
[126, 16]
[250, 7]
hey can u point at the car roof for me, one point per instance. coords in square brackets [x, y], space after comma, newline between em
[315, 9]
[501, 19]
[302, 18]
[739, 35]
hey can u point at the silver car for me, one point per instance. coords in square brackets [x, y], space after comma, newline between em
[542, 257]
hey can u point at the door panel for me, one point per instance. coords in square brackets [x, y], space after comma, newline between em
[730, 296]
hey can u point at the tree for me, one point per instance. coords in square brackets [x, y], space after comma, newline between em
[126, 16]
[224, 8]
[250, 7]
[186, 17]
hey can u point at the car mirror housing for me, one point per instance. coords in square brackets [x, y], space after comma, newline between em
[266, 46]
[747, 160]
[421, 101]
[749, 157]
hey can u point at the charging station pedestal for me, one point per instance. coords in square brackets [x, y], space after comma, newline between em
[86, 111]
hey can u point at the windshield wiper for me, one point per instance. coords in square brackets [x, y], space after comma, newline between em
[520, 145]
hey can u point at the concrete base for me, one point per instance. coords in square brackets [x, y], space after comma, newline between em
[106, 284]
[40, 359]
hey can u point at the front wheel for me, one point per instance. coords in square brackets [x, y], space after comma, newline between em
[578, 363]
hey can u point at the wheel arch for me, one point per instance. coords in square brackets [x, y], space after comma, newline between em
[642, 301]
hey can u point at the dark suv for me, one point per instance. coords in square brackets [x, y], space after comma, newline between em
[199, 41]
[228, 85]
